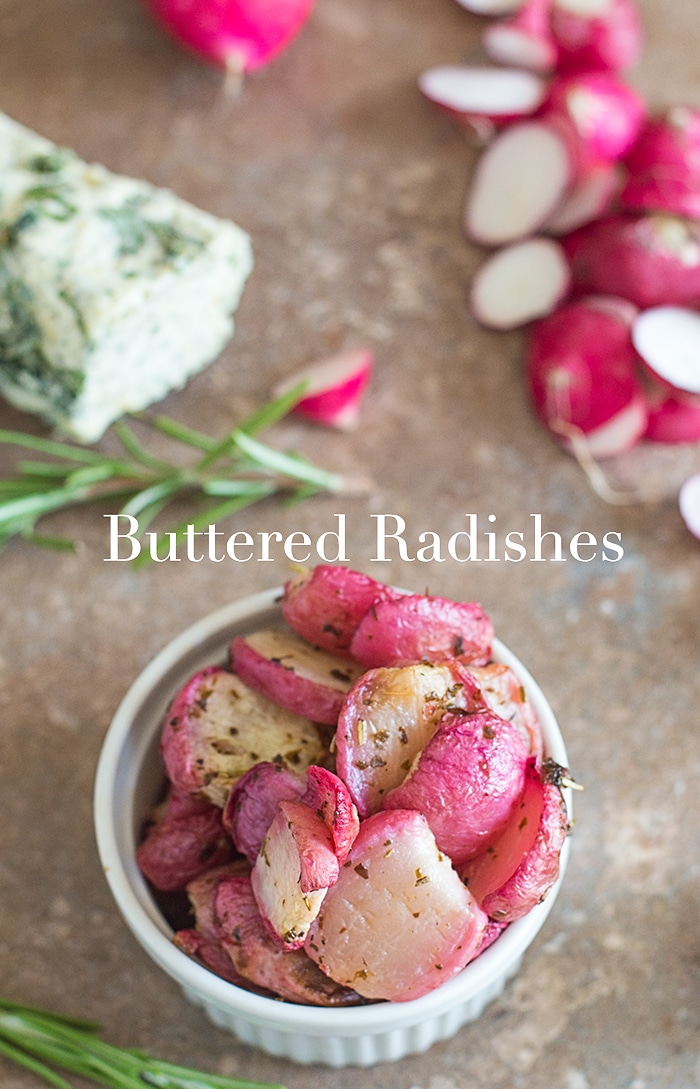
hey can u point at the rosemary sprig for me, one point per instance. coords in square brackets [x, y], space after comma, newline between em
[40, 1041]
[222, 477]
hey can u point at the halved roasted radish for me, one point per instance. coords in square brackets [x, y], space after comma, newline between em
[481, 750]
[422, 627]
[481, 97]
[289, 670]
[652, 260]
[591, 196]
[174, 851]
[596, 34]
[525, 39]
[398, 922]
[252, 804]
[388, 717]
[519, 283]
[581, 369]
[689, 503]
[519, 180]
[296, 865]
[217, 728]
[504, 694]
[325, 605]
[330, 799]
[334, 388]
[667, 339]
[521, 865]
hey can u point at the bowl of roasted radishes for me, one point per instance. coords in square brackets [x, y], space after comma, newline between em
[337, 814]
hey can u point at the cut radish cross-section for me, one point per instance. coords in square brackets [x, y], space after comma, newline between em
[519, 283]
[518, 182]
[493, 94]
[689, 503]
[668, 340]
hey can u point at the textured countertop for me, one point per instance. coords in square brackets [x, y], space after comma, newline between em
[352, 189]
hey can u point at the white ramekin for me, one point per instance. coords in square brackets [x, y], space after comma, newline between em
[129, 778]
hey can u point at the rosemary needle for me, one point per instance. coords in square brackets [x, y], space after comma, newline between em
[40, 1041]
[223, 475]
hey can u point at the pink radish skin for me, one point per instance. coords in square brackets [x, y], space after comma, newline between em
[252, 804]
[689, 503]
[596, 34]
[422, 628]
[329, 798]
[176, 851]
[581, 369]
[675, 190]
[591, 196]
[606, 113]
[519, 181]
[670, 140]
[398, 922]
[523, 863]
[652, 260]
[483, 98]
[335, 387]
[525, 40]
[325, 605]
[238, 35]
[673, 421]
[519, 283]
[667, 339]
[506, 697]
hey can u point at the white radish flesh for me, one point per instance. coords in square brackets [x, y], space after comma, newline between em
[518, 182]
[477, 95]
[668, 340]
[519, 283]
[334, 388]
[491, 7]
[525, 40]
[689, 503]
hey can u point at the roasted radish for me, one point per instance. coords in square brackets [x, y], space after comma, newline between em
[505, 696]
[329, 798]
[325, 605]
[252, 804]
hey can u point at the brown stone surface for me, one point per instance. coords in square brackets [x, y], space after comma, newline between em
[352, 189]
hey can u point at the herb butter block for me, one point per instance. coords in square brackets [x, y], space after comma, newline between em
[112, 292]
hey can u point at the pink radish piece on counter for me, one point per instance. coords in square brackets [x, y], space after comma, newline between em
[238, 35]
[582, 377]
[591, 196]
[518, 182]
[525, 39]
[482, 97]
[335, 386]
[667, 339]
[519, 283]
[596, 34]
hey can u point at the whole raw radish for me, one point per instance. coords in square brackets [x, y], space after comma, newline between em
[239, 35]
[595, 34]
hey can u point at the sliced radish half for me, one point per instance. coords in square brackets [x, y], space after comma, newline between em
[525, 39]
[590, 197]
[689, 503]
[668, 340]
[478, 93]
[335, 386]
[519, 180]
[523, 281]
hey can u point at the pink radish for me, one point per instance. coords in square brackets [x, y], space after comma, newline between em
[674, 421]
[596, 34]
[591, 196]
[669, 140]
[606, 113]
[652, 260]
[519, 283]
[505, 696]
[330, 799]
[689, 503]
[667, 339]
[238, 35]
[252, 804]
[581, 373]
[481, 98]
[518, 182]
[525, 40]
[664, 189]
[325, 605]
[334, 388]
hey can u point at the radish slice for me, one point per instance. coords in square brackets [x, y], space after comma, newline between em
[239, 35]
[519, 180]
[596, 34]
[689, 503]
[673, 421]
[590, 197]
[526, 280]
[524, 40]
[335, 386]
[668, 340]
[479, 96]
